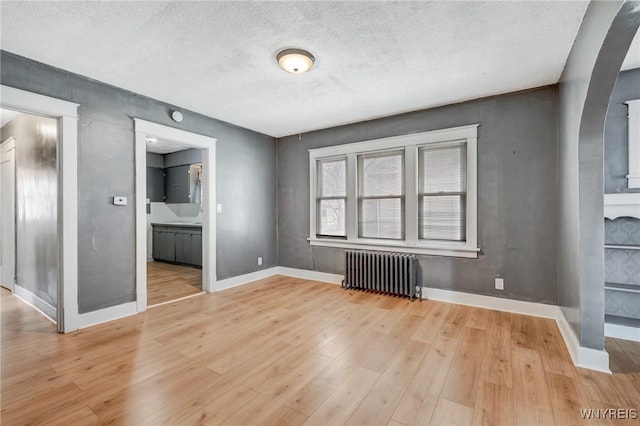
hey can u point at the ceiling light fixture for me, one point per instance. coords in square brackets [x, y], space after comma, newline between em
[295, 61]
[151, 139]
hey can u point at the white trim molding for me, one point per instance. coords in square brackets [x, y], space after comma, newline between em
[310, 275]
[45, 308]
[389, 245]
[107, 314]
[67, 115]
[622, 332]
[633, 178]
[278, 270]
[409, 145]
[491, 302]
[190, 140]
[618, 205]
[239, 280]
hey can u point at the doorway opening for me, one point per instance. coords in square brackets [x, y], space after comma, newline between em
[7, 201]
[622, 217]
[30, 218]
[39, 208]
[174, 221]
[175, 225]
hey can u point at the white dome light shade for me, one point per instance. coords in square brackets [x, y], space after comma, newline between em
[295, 61]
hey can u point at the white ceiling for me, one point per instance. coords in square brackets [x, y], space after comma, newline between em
[372, 58]
[6, 115]
[632, 60]
[164, 146]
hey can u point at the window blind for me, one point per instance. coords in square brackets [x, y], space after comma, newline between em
[381, 195]
[332, 197]
[442, 192]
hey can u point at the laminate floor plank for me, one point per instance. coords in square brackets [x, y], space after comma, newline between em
[289, 351]
[166, 282]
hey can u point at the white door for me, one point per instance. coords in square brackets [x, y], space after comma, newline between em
[7, 213]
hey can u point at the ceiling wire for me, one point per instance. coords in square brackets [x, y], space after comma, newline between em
[300, 108]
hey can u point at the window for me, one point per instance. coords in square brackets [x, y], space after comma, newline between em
[442, 192]
[381, 195]
[414, 193]
[332, 197]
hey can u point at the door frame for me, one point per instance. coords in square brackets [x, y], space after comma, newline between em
[67, 115]
[7, 146]
[144, 129]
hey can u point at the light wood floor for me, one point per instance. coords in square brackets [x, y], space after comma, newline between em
[288, 351]
[166, 282]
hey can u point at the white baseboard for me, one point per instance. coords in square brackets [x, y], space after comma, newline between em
[310, 275]
[244, 279]
[45, 308]
[491, 302]
[622, 332]
[278, 270]
[107, 314]
[581, 356]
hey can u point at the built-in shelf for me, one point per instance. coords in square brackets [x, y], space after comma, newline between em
[622, 205]
[614, 319]
[621, 247]
[630, 288]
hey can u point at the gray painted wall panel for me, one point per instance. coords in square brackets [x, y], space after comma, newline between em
[155, 160]
[616, 158]
[516, 193]
[245, 173]
[180, 158]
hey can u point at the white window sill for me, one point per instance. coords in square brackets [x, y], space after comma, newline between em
[450, 250]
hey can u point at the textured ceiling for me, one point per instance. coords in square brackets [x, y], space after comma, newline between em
[372, 58]
[163, 146]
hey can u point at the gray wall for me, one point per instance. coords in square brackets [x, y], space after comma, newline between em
[585, 87]
[180, 158]
[245, 172]
[155, 160]
[36, 204]
[616, 158]
[517, 161]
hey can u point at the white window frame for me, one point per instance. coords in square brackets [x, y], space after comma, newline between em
[410, 143]
[633, 116]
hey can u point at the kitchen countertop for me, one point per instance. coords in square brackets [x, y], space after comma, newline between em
[184, 224]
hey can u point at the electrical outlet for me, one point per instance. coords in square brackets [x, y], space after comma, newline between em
[499, 283]
[259, 260]
[119, 201]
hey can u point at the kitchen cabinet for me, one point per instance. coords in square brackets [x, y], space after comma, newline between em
[182, 184]
[177, 244]
[155, 184]
[177, 185]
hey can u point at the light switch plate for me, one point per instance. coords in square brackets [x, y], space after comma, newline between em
[119, 201]
[219, 208]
